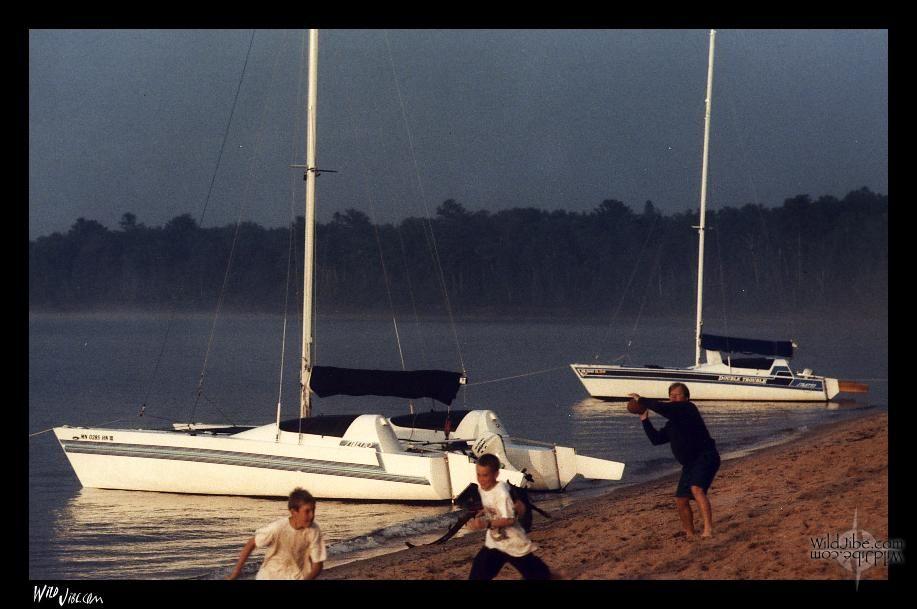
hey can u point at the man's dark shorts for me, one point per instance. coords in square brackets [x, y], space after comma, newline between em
[699, 472]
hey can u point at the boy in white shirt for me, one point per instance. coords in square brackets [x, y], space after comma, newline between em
[295, 546]
[505, 540]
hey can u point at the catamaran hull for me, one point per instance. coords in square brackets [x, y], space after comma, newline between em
[553, 468]
[547, 467]
[182, 463]
[617, 382]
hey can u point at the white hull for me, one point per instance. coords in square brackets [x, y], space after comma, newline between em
[253, 463]
[551, 467]
[713, 380]
[705, 382]
[340, 458]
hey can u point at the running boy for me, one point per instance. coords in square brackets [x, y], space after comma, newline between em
[295, 546]
[505, 540]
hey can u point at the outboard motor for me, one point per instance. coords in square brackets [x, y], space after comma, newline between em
[478, 423]
[492, 443]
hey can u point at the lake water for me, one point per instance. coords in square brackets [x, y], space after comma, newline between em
[91, 370]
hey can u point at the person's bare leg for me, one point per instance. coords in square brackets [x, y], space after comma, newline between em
[687, 516]
[706, 511]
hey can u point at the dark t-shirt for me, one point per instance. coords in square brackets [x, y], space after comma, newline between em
[685, 429]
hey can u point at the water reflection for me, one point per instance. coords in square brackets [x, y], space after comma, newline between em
[129, 534]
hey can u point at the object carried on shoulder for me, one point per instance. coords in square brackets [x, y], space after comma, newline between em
[635, 407]
[470, 501]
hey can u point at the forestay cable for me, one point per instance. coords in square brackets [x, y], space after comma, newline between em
[242, 207]
[654, 270]
[378, 238]
[626, 291]
[431, 238]
[203, 213]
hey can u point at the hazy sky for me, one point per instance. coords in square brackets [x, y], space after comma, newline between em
[132, 120]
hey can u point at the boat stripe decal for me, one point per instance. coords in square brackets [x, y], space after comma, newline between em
[706, 377]
[224, 457]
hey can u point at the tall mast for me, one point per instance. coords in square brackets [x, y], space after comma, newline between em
[703, 207]
[308, 322]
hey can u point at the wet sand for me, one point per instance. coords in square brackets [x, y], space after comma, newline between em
[767, 506]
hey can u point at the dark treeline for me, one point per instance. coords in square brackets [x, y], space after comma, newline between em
[807, 256]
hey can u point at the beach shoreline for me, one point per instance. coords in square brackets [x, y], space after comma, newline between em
[772, 509]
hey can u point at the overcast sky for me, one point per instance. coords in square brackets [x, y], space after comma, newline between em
[133, 120]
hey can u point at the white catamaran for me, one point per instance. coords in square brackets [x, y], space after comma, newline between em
[767, 377]
[364, 456]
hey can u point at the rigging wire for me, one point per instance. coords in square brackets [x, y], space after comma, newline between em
[373, 208]
[388, 287]
[141, 413]
[378, 239]
[428, 225]
[218, 409]
[232, 112]
[655, 270]
[200, 220]
[626, 290]
[283, 338]
[232, 251]
[300, 263]
[407, 275]
[43, 431]
[719, 255]
[517, 376]
[291, 249]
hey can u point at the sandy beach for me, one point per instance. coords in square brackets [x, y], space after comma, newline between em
[768, 506]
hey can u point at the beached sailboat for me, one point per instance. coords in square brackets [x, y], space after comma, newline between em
[340, 456]
[728, 373]
[346, 456]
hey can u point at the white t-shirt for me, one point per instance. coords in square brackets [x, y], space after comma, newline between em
[511, 540]
[290, 552]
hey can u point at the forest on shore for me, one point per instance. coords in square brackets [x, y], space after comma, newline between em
[807, 256]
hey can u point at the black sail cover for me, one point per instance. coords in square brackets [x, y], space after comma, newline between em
[440, 385]
[773, 348]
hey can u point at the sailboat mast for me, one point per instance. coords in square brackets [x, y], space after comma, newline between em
[703, 207]
[308, 307]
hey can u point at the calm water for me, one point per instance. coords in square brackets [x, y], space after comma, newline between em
[92, 370]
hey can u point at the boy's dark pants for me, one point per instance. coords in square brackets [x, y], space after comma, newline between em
[488, 563]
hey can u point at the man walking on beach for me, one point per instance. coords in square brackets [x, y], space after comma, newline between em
[691, 445]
